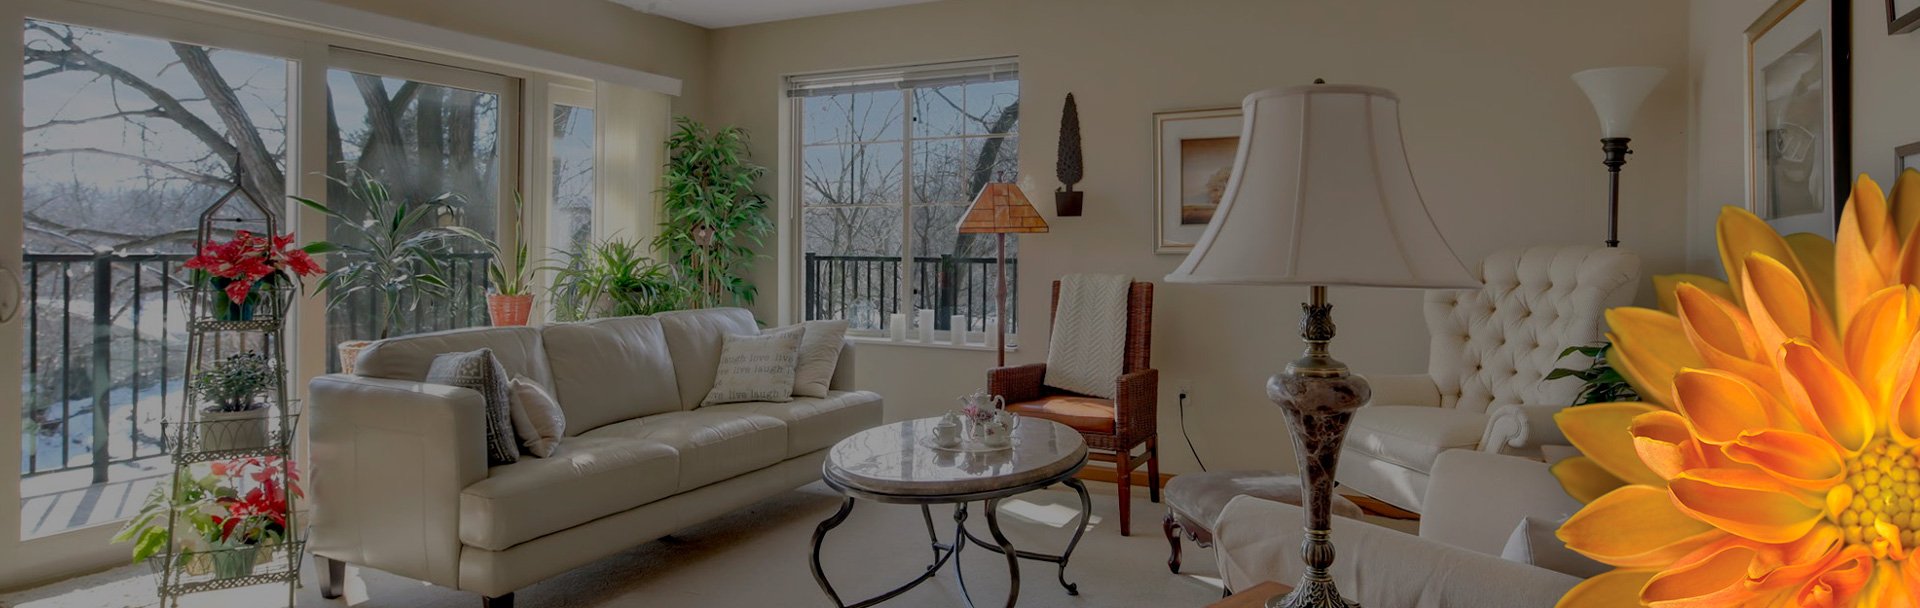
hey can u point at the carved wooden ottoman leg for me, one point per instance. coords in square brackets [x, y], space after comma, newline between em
[1172, 528]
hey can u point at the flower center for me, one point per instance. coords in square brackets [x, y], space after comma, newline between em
[1885, 484]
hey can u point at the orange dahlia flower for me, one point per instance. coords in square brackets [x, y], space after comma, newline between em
[1776, 461]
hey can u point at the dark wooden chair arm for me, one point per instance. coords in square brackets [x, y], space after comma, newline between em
[1136, 406]
[1018, 383]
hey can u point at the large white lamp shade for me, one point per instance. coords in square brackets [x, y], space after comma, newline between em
[1616, 94]
[1321, 194]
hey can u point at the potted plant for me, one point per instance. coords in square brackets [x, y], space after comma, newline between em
[509, 290]
[228, 521]
[393, 248]
[613, 278]
[714, 218]
[1068, 167]
[249, 270]
[235, 417]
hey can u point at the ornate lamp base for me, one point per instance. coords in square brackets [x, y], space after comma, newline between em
[1319, 396]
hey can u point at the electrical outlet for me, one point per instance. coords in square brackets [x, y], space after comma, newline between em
[1186, 389]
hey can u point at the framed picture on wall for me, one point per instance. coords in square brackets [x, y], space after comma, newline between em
[1906, 157]
[1902, 16]
[1796, 142]
[1193, 157]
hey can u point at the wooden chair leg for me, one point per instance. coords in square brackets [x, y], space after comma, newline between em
[1172, 528]
[333, 577]
[1153, 469]
[1123, 476]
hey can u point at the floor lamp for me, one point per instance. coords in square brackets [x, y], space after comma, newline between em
[1001, 209]
[1321, 195]
[1616, 94]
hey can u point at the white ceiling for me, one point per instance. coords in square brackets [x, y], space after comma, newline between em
[729, 13]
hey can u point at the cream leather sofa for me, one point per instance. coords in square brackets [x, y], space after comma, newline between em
[400, 481]
[1477, 500]
[1489, 353]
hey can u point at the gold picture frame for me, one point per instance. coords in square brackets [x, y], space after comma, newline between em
[1193, 154]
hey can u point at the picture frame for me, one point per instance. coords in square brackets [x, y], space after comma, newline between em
[1193, 156]
[1797, 143]
[1902, 16]
[1905, 157]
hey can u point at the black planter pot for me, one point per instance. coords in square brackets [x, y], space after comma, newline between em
[1066, 204]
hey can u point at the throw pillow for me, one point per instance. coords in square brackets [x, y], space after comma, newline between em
[536, 417]
[820, 344]
[756, 367]
[1533, 543]
[481, 371]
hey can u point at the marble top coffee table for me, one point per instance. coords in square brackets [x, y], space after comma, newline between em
[892, 464]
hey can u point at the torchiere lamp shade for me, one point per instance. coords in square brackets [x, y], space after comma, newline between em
[1002, 208]
[1321, 194]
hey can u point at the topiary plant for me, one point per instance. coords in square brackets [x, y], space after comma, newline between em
[1068, 166]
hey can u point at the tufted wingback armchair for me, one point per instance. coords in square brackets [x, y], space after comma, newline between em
[1490, 350]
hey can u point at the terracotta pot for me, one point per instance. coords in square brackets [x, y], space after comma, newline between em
[509, 310]
[350, 352]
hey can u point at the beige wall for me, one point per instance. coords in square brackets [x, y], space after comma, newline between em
[1885, 91]
[1717, 98]
[1503, 144]
[590, 29]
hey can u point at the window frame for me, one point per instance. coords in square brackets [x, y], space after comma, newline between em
[793, 147]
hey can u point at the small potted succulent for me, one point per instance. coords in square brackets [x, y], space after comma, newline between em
[510, 289]
[235, 418]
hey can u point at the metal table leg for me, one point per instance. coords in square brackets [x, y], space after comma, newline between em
[1006, 548]
[1079, 530]
[942, 553]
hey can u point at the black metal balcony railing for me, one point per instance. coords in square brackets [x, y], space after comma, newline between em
[110, 328]
[864, 290]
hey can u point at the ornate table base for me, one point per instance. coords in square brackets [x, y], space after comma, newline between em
[947, 552]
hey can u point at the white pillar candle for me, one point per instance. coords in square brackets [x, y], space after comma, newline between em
[957, 330]
[926, 326]
[897, 327]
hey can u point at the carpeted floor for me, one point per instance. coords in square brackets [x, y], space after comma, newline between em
[757, 557]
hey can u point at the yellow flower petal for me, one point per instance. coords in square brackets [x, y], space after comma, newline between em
[1748, 504]
[1740, 233]
[1724, 337]
[1633, 527]
[1713, 580]
[1664, 443]
[1584, 479]
[1610, 589]
[1781, 308]
[1838, 583]
[1815, 253]
[1877, 341]
[1903, 417]
[1653, 346]
[1601, 432]
[1906, 202]
[1866, 250]
[1721, 405]
[1799, 459]
[1665, 284]
[1825, 398]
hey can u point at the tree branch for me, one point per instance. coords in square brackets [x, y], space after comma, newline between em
[152, 113]
[198, 178]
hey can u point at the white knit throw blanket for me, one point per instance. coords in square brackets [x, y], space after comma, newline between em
[1089, 334]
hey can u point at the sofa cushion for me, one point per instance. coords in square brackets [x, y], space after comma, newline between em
[756, 367]
[694, 338]
[408, 357]
[815, 423]
[713, 445]
[1090, 414]
[592, 478]
[610, 370]
[1413, 436]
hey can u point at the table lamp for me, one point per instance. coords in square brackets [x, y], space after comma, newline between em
[1321, 195]
[1001, 209]
[1616, 94]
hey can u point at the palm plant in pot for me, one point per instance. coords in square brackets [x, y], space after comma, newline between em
[510, 292]
[393, 250]
[235, 417]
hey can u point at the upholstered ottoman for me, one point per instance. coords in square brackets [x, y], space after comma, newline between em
[1195, 500]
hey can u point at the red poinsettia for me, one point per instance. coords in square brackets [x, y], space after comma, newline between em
[261, 512]
[249, 258]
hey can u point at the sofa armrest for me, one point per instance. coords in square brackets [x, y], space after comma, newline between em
[1018, 383]
[843, 369]
[390, 458]
[1520, 430]
[1136, 401]
[1259, 540]
[1403, 389]
[1475, 499]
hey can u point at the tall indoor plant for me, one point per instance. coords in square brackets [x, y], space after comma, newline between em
[614, 278]
[510, 281]
[391, 249]
[714, 219]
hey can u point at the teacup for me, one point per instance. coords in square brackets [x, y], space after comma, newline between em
[946, 434]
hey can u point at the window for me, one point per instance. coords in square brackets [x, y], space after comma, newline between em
[889, 161]
[125, 140]
[570, 218]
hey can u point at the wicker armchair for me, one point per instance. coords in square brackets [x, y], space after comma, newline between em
[1114, 428]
